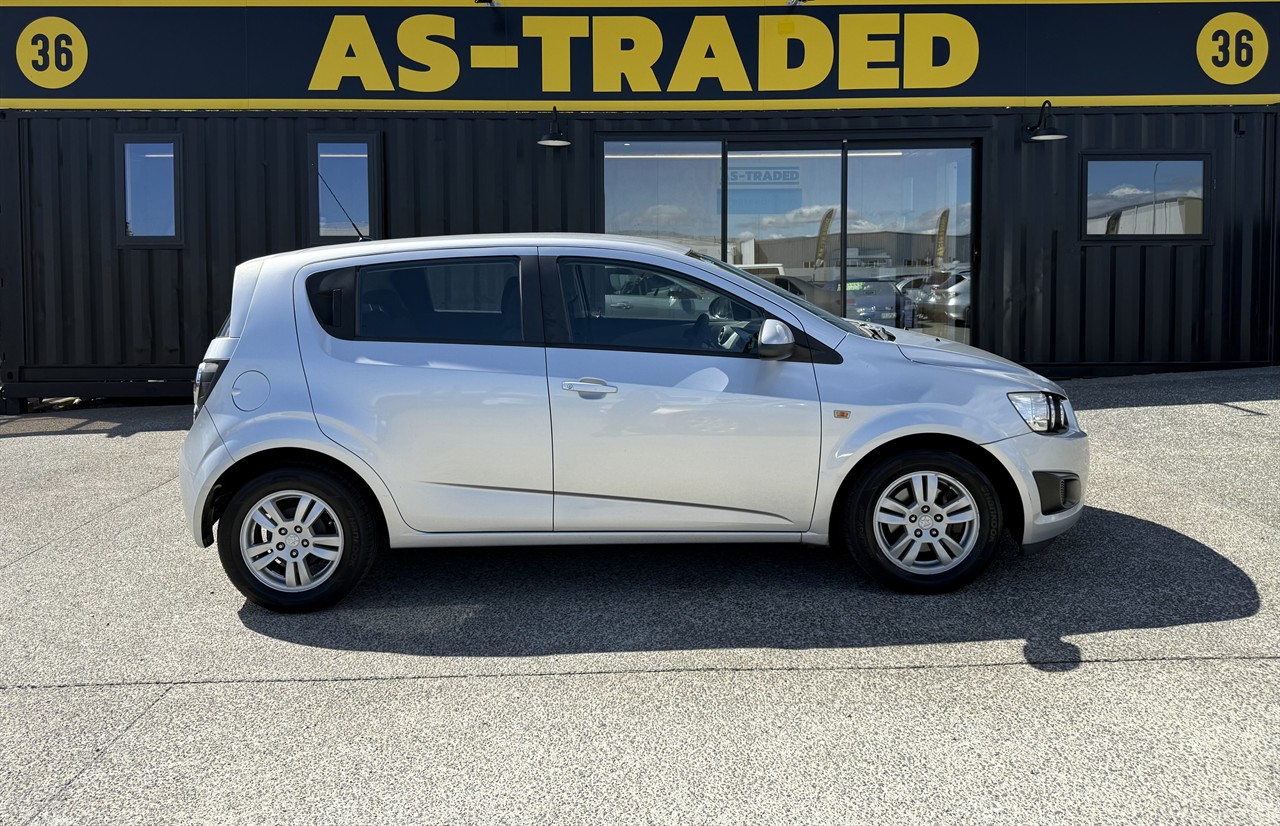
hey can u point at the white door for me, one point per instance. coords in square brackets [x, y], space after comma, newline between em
[667, 421]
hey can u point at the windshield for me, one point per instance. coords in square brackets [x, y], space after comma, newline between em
[856, 327]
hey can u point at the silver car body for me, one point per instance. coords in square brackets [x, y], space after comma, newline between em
[465, 444]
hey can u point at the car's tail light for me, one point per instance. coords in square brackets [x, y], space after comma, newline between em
[207, 375]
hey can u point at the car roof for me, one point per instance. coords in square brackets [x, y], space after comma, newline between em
[359, 249]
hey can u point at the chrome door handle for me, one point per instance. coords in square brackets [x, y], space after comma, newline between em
[589, 386]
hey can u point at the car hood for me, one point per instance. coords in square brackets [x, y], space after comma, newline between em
[942, 352]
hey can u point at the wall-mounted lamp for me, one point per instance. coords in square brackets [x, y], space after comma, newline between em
[1042, 130]
[555, 137]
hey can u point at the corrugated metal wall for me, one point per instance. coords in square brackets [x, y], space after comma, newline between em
[1044, 296]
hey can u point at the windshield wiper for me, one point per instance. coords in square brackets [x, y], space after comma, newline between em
[873, 330]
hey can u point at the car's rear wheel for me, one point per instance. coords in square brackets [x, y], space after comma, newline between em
[923, 521]
[297, 539]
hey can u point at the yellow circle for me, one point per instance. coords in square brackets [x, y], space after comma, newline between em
[1232, 48]
[52, 52]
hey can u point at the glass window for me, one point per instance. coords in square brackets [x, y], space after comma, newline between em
[1144, 197]
[472, 300]
[909, 245]
[619, 304]
[784, 219]
[342, 190]
[664, 189]
[150, 190]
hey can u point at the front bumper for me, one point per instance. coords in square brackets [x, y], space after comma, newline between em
[1065, 455]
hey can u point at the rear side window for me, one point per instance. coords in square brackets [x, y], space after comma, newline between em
[474, 300]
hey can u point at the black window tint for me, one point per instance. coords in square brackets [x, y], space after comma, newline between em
[331, 295]
[624, 305]
[471, 300]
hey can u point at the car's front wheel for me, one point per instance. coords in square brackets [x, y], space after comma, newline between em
[297, 539]
[923, 521]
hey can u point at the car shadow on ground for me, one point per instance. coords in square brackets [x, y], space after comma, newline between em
[100, 419]
[1112, 572]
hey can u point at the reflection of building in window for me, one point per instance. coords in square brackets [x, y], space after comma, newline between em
[888, 253]
[1160, 196]
[1168, 216]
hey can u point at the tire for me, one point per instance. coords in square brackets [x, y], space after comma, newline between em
[915, 487]
[322, 541]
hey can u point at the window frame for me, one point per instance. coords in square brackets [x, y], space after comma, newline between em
[125, 240]
[373, 145]
[1202, 237]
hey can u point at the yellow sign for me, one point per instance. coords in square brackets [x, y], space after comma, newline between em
[52, 52]
[876, 51]
[1232, 48]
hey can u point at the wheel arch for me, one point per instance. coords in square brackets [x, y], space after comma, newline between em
[1006, 489]
[275, 458]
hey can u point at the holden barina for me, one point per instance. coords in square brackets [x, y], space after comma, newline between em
[585, 389]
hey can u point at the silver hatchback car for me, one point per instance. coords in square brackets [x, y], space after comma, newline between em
[555, 389]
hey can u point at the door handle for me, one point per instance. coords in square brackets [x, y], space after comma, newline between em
[589, 387]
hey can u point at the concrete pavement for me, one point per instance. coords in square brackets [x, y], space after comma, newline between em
[1127, 673]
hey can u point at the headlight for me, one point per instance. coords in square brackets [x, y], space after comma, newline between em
[1043, 412]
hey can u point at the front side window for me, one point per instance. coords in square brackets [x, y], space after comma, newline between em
[1144, 197]
[624, 305]
[148, 190]
[468, 300]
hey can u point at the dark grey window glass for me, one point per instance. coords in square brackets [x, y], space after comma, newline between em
[455, 301]
[1144, 197]
[618, 304]
[150, 190]
[344, 185]
[664, 189]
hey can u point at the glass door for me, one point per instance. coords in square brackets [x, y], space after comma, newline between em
[783, 218]
[878, 232]
[908, 243]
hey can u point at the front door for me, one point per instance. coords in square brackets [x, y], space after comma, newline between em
[663, 418]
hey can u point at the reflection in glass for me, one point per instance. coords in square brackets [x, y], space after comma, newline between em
[908, 249]
[1145, 197]
[784, 220]
[909, 243]
[664, 189]
[150, 206]
[345, 168]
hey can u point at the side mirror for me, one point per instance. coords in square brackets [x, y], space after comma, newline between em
[775, 341]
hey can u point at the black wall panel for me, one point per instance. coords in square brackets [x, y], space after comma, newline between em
[1044, 296]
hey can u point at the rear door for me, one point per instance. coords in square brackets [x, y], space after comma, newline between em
[664, 419]
[431, 368]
